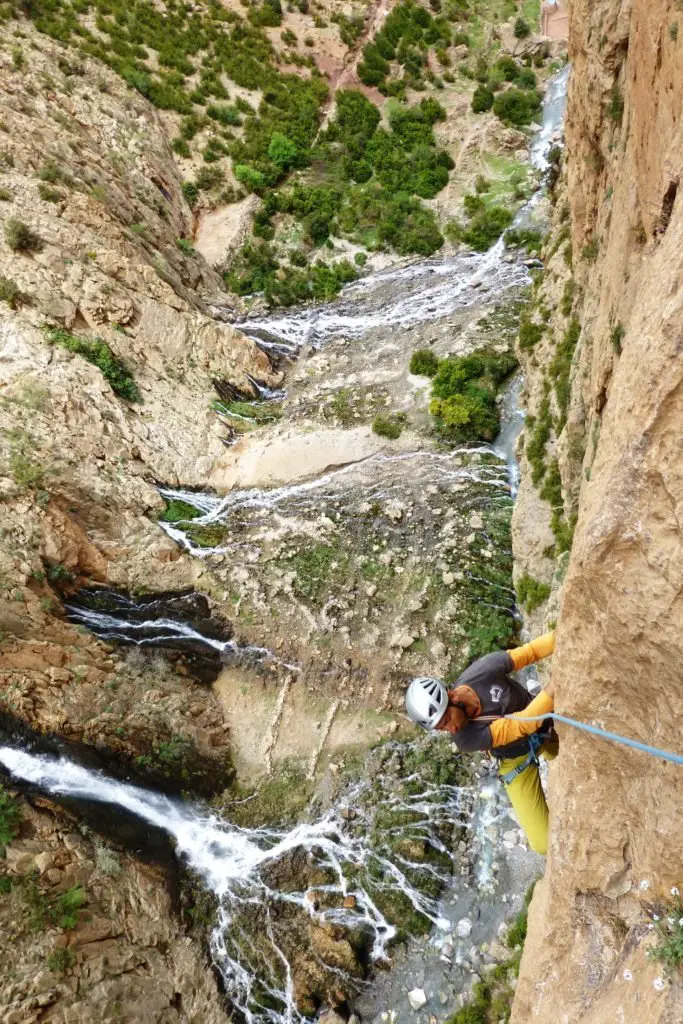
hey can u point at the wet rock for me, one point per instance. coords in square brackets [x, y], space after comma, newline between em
[463, 928]
[331, 1017]
[417, 998]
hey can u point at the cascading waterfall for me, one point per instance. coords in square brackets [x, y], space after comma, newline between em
[346, 847]
[377, 482]
[154, 632]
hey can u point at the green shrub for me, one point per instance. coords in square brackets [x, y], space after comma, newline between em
[517, 106]
[508, 67]
[535, 447]
[464, 393]
[617, 336]
[282, 151]
[482, 99]
[360, 259]
[486, 227]
[387, 426]
[268, 15]
[50, 172]
[190, 192]
[185, 246]
[616, 104]
[100, 355]
[5, 195]
[60, 959]
[531, 593]
[590, 250]
[10, 292]
[522, 29]
[560, 366]
[181, 147]
[226, 115]
[253, 181]
[10, 817]
[209, 178]
[424, 363]
[567, 301]
[529, 333]
[524, 238]
[47, 194]
[20, 238]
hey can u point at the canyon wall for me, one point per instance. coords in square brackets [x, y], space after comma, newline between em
[617, 438]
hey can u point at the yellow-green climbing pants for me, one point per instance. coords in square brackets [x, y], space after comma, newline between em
[528, 799]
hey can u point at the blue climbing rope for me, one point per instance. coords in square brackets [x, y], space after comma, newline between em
[666, 755]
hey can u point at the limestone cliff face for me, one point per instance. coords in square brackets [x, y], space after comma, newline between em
[617, 822]
[86, 167]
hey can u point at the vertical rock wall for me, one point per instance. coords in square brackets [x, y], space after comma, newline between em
[617, 821]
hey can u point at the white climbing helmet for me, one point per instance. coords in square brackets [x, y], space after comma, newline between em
[426, 702]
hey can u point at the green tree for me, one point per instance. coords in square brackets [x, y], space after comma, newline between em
[282, 151]
[522, 29]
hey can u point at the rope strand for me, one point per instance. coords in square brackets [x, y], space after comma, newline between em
[666, 755]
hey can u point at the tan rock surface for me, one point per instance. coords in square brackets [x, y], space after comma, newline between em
[127, 957]
[617, 823]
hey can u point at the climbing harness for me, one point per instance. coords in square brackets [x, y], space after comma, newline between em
[535, 742]
[666, 755]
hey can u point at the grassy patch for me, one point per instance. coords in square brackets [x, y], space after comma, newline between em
[208, 535]
[669, 933]
[47, 910]
[100, 355]
[388, 426]
[280, 799]
[318, 569]
[178, 511]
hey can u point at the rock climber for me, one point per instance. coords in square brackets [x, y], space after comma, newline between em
[472, 712]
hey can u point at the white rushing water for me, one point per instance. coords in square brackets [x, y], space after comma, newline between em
[233, 863]
[381, 476]
[154, 632]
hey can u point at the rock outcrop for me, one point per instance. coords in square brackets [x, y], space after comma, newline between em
[616, 814]
[93, 933]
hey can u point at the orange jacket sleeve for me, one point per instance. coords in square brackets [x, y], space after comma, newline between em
[541, 647]
[507, 730]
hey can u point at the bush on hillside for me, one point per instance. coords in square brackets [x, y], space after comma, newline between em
[464, 395]
[424, 363]
[517, 106]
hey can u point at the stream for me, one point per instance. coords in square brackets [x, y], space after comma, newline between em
[448, 850]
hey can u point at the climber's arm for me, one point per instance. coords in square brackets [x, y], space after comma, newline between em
[507, 730]
[528, 654]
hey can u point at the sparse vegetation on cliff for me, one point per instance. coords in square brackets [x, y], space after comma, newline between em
[531, 593]
[669, 931]
[100, 355]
